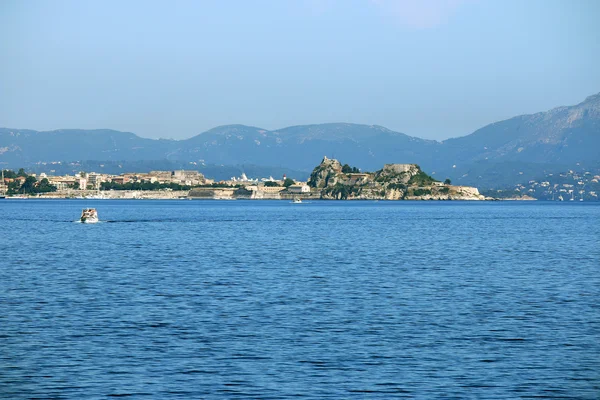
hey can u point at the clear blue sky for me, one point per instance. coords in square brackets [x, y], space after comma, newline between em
[173, 69]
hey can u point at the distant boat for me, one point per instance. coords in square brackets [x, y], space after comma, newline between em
[89, 216]
[297, 200]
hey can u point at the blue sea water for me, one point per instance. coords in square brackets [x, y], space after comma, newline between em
[272, 300]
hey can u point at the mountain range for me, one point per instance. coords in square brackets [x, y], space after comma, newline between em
[523, 146]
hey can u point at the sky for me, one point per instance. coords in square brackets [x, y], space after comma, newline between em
[173, 69]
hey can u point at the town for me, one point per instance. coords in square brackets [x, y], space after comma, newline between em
[154, 184]
[566, 186]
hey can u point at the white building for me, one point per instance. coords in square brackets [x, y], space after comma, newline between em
[299, 189]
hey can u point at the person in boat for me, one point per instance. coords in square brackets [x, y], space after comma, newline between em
[88, 213]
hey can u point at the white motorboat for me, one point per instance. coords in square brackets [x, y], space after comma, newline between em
[89, 216]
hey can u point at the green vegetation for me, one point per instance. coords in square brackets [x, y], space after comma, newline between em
[44, 186]
[13, 187]
[396, 186]
[421, 179]
[342, 192]
[29, 186]
[445, 190]
[271, 184]
[421, 192]
[10, 174]
[448, 181]
[288, 182]
[346, 169]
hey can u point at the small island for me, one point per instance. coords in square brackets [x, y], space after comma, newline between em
[392, 182]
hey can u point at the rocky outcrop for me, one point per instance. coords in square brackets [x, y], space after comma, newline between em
[392, 182]
[328, 173]
[397, 173]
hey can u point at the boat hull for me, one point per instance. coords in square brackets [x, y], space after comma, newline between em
[89, 216]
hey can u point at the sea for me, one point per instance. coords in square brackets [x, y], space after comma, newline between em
[178, 299]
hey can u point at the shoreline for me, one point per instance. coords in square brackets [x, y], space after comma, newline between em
[230, 194]
[187, 198]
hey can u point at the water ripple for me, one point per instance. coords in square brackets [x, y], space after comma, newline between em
[180, 300]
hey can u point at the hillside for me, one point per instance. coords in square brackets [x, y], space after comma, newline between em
[554, 141]
[530, 145]
[564, 135]
[25, 147]
[392, 182]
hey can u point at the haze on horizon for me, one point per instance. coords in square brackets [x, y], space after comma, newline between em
[434, 69]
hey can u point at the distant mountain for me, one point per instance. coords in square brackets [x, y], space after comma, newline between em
[526, 147]
[564, 135]
[301, 147]
[19, 147]
[528, 144]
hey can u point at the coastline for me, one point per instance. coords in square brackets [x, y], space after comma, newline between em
[219, 195]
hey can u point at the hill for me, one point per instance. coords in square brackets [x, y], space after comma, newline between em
[554, 141]
[392, 182]
[528, 145]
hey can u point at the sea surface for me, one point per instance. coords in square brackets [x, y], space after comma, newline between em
[320, 300]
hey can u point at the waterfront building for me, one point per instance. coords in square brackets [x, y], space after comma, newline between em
[299, 189]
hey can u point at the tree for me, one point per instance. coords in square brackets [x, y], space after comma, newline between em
[29, 185]
[447, 181]
[21, 172]
[44, 186]
[346, 169]
[271, 184]
[10, 174]
[13, 187]
[421, 179]
[288, 182]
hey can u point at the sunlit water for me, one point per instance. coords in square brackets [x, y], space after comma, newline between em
[267, 299]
